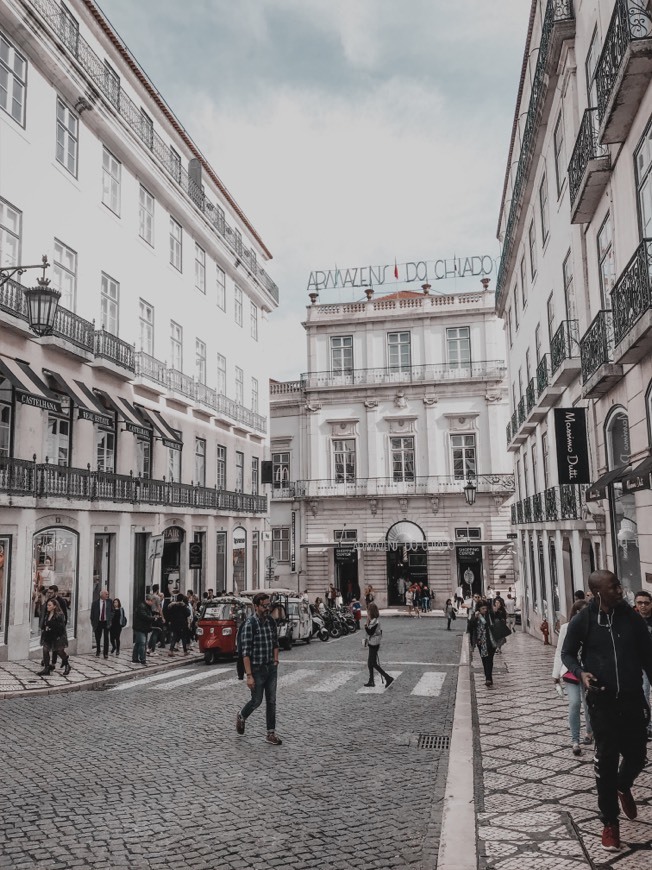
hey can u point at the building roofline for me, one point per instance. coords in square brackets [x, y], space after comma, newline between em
[145, 81]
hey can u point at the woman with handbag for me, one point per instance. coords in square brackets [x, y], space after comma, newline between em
[118, 622]
[480, 627]
[54, 638]
[372, 640]
[574, 689]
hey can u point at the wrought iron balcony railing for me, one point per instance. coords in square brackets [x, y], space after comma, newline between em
[508, 433]
[95, 68]
[149, 367]
[521, 411]
[555, 503]
[556, 11]
[596, 345]
[550, 498]
[386, 486]
[564, 344]
[587, 148]
[12, 298]
[530, 395]
[42, 480]
[116, 350]
[631, 21]
[74, 329]
[527, 509]
[513, 514]
[632, 293]
[408, 374]
[514, 422]
[543, 374]
[537, 507]
[519, 512]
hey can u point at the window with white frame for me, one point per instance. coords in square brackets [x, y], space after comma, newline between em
[200, 461]
[527, 365]
[535, 475]
[239, 385]
[111, 173]
[239, 471]
[402, 449]
[220, 284]
[176, 244]
[537, 343]
[643, 160]
[109, 303]
[200, 361]
[146, 327]
[590, 67]
[545, 449]
[10, 230]
[523, 275]
[64, 274]
[255, 476]
[281, 544]
[399, 357]
[174, 464]
[146, 129]
[58, 434]
[342, 354]
[237, 302]
[526, 475]
[569, 287]
[560, 153]
[280, 470]
[146, 216]
[254, 321]
[550, 314]
[144, 456]
[220, 476]
[176, 346]
[467, 534]
[606, 263]
[543, 208]
[532, 245]
[67, 137]
[13, 81]
[6, 416]
[105, 449]
[344, 459]
[254, 395]
[221, 374]
[200, 268]
[111, 84]
[463, 455]
[509, 327]
[515, 306]
[458, 346]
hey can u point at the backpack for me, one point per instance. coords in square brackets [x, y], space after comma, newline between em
[239, 662]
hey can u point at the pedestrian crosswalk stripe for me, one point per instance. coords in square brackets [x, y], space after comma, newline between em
[193, 678]
[291, 679]
[330, 684]
[221, 684]
[132, 684]
[379, 688]
[430, 684]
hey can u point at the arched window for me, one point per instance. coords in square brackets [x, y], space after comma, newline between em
[622, 506]
[54, 563]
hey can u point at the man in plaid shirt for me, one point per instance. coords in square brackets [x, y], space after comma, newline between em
[259, 651]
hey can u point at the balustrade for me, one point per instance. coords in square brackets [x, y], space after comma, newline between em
[115, 349]
[631, 296]
[596, 345]
[587, 148]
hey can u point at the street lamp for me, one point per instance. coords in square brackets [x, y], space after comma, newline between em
[470, 491]
[42, 300]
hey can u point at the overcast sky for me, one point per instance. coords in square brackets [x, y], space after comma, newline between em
[351, 132]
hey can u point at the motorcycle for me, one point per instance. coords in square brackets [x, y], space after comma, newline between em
[318, 628]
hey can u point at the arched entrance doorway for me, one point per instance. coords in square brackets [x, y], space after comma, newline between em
[407, 559]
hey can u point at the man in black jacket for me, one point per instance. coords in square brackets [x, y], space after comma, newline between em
[615, 648]
[143, 619]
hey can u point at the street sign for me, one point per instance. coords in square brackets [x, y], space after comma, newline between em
[512, 536]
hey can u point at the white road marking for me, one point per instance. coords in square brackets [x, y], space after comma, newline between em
[430, 684]
[363, 662]
[379, 688]
[330, 684]
[291, 679]
[221, 684]
[193, 678]
[133, 684]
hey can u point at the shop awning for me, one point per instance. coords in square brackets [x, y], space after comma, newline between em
[128, 414]
[165, 432]
[88, 406]
[30, 389]
[639, 477]
[598, 489]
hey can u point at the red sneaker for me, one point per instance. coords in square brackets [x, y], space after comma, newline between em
[611, 838]
[628, 804]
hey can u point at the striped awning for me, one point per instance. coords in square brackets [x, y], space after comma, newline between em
[128, 414]
[30, 389]
[88, 405]
[165, 432]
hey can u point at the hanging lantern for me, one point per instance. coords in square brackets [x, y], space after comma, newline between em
[42, 304]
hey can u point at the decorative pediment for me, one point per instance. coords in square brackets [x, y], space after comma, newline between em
[402, 425]
[344, 428]
[462, 421]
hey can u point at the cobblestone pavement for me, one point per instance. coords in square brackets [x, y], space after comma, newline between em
[151, 774]
[538, 805]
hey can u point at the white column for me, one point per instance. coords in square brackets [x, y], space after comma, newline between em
[561, 577]
[576, 544]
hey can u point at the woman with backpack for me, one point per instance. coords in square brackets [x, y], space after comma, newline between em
[374, 635]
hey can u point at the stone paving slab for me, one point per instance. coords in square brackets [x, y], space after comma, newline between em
[537, 802]
[20, 679]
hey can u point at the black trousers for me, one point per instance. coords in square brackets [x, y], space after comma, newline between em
[102, 632]
[114, 634]
[619, 727]
[372, 663]
[488, 665]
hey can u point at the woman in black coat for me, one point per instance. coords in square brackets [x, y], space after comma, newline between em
[54, 638]
[118, 622]
[177, 616]
[374, 635]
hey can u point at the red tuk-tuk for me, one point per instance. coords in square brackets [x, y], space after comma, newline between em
[218, 623]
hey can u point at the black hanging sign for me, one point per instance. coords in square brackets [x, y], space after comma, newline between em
[195, 555]
[572, 446]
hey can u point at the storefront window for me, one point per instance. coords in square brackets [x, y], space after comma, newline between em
[622, 506]
[239, 559]
[5, 548]
[54, 563]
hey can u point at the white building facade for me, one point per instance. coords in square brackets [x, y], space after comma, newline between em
[575, 274]
[372, 447]
[131, 439]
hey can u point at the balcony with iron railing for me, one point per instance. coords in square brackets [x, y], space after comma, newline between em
[558, 25]
[624, 69]
[386, 487]
[589, 170]
[540, 395]
[494, 370]
[565, 363]
[105, 84]
[43, 481]
[111, 350]
[599, 373]
[564, 502]
[631, 304]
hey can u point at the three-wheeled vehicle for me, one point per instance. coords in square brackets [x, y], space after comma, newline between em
[218, 623]
[301, 618]
[279, 611]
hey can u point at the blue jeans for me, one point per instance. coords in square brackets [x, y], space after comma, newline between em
[576, 699]
[140, 642]
[265, 678]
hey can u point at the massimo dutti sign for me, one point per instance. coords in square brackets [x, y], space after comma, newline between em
[572, 447]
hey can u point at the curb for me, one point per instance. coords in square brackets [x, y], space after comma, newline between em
[97, 682]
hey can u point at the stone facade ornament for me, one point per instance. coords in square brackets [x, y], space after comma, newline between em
[403, 504]
[373, 506]
[313, 406]
[399, 400]
[314, 504]
[434, 502]
[370, 403]
[430, 400]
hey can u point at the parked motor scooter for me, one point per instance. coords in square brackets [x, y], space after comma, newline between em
[318, 628]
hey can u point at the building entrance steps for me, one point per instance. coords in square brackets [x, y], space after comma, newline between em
[536, 802]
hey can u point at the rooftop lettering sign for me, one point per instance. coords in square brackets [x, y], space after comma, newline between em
[477, 266]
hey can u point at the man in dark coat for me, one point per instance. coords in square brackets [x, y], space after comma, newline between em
[143, 619]
[101, 616]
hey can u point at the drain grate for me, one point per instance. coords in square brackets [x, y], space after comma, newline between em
[433, 741]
